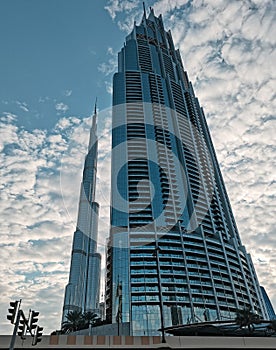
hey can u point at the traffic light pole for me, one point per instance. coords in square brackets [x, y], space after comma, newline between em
[22, 325]
[15, 330]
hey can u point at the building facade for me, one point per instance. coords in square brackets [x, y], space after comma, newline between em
[269, 306]
[174, 251]
[82, 291]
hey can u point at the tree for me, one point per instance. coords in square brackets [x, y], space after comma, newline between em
[247, 318]
[77, 321]
[74, 322]
[90, 318]
[271, 328]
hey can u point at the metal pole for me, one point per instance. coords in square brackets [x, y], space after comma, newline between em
[15, 330]
[160, 293]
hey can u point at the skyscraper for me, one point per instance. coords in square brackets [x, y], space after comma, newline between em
[82, 291]
[269, 306]
[174, 250]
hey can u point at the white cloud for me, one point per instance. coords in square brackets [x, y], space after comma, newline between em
[109, 87]
[68, 93]
[117, 6]
[228, 50]
[236, 91]
[110, 66]
[8, 132]
[36, 234]
[43, 99]
[22, 105]
[61, 107]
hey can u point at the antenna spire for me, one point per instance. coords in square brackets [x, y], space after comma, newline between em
[95, 108]
[94, 116]
[144, 8]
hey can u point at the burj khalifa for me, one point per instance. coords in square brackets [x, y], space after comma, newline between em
[82, 291]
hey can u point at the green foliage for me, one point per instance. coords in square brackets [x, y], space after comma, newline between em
[76, 320]
[272, 326]
[247, 318]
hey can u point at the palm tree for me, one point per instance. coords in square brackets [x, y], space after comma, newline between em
[90, 318]
[271, 328]
[74, 322]
[247, 318]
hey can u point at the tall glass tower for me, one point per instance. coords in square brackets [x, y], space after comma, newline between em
[82, 291]
[174, 250]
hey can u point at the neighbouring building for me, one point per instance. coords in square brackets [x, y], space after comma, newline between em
[269, 306]
[83, 290]
[174, 254]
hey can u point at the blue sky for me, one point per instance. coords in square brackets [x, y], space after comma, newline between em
[49, 50]
[56, 57]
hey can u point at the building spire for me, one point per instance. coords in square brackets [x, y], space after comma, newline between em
[94, 116]
[144, 9]
[95, 108]
[83, 289]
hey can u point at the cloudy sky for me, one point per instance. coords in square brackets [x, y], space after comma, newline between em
[56, 57]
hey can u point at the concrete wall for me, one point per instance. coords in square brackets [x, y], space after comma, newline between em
[127, 342]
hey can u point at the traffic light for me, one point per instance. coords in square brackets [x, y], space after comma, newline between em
[22, 328]
[13, 311]
[38, 335]
[33, 319]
